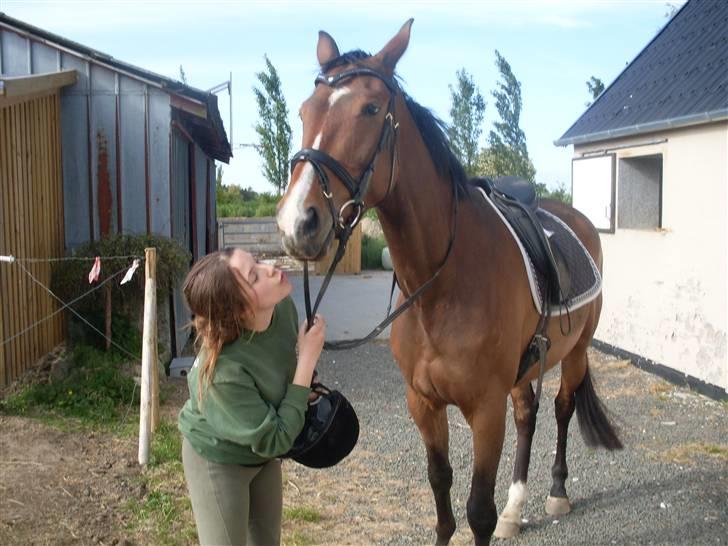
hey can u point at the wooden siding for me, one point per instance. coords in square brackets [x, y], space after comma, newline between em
[350, 262]
[31, 226]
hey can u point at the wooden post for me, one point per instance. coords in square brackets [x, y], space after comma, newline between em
[149, 356]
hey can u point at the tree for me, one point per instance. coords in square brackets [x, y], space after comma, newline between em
[467, 111]
[595, 86]
[182, 75]
[274, 132]
[507, 153]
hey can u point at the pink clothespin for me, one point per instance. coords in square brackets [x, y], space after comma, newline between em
[93, 275]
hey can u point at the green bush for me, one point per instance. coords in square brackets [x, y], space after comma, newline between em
[236, 203]
[96, 389]
[69, 279]
[371, 252]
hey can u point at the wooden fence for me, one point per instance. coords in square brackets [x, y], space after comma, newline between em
[260, 236]
[31, 226]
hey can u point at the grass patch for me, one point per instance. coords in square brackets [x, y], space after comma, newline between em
[661, 387]
[302, 513]
[164, 515]
[687, 453]
[297, 538]
[96, 391]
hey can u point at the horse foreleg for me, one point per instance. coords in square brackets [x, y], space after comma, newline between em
[524, 415]
[488, 425]
[432, 424]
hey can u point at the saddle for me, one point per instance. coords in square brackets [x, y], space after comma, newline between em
[516, 199]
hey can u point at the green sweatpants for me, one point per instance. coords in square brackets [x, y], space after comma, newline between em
[233, 504]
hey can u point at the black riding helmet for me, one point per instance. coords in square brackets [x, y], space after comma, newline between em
[330, 430]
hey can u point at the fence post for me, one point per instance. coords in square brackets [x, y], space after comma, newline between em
[149, 356]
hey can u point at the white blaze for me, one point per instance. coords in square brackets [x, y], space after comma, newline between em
[337, 94]
[293, 209]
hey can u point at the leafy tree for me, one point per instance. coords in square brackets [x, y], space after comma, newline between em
[182, 75]
[595, 86]
[274, 132]
[561, 193]
[507, 153]
[467, 111]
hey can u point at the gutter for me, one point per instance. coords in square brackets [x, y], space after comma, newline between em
[651, 127]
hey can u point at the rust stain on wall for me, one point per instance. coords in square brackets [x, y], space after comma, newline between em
[104, 188]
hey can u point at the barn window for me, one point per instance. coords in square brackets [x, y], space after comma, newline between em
[639, 191]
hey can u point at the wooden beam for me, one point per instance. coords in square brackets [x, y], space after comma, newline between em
[21, 86]
[194, 107]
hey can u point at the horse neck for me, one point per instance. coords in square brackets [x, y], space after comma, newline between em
[416, 216]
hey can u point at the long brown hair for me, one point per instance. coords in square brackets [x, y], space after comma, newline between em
[221, 303]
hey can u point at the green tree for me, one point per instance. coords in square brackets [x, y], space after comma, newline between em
[182, 75]
[595, 86]
[274, 132]
[467, 111]
[507, 152]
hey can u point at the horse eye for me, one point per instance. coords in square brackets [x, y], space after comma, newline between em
[370, 109]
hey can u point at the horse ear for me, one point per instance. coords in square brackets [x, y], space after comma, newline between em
[326, 50]
[393, 51]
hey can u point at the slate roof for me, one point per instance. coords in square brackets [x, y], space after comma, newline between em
[680, 78]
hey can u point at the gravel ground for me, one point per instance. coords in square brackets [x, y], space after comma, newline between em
[668, 486]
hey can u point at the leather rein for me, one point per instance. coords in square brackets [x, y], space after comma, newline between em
[357, 189]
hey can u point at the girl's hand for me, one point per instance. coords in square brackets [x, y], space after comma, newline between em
[311, 343]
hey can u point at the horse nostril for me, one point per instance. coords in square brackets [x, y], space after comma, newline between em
[311, 222]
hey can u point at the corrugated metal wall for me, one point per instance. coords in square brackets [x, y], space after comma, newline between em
[31, 225]
[116, 149]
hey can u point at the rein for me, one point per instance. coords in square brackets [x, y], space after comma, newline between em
[357, 189]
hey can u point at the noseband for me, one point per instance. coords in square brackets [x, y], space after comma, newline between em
[356, 188]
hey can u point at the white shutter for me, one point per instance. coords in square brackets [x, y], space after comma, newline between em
[592, 189]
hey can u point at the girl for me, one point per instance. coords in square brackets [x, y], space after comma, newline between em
[248, 395]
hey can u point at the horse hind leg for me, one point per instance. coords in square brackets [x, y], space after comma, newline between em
[524, 415]
[576, 392]
[433, 427]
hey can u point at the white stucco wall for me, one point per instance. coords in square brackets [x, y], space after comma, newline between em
[666, 291]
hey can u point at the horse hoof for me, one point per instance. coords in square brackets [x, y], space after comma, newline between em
[506, 528]
[557, 506]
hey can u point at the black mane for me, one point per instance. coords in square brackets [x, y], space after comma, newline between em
[431, 128]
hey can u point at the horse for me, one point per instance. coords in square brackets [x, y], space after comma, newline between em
[368, 144]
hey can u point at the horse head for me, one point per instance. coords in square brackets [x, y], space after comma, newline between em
[347, 162]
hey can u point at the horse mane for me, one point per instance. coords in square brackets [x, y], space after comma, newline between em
[431, 128]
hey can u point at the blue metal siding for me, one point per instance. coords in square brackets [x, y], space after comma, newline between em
[44, 59]
[158, 161]
[201, 200]
[14, 54]
[74, 144]
[131, 150]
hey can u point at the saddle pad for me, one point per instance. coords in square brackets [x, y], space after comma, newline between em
[585, 280]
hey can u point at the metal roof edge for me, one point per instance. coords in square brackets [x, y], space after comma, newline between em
[672, 123]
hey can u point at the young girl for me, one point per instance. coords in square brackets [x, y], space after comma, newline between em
[248, 395]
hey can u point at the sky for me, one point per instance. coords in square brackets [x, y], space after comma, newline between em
[553, 47]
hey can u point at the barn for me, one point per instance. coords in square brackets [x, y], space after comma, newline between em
[650, 169]
[93, 146]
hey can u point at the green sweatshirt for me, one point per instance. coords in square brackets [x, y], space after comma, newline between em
[251, 412]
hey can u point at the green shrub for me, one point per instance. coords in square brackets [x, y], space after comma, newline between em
[371, 252]
[96, 389]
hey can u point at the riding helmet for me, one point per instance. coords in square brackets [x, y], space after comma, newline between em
[330, 430]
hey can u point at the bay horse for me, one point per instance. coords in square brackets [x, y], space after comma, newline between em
[367, 144]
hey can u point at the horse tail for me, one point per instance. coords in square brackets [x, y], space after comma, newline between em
[596, 429]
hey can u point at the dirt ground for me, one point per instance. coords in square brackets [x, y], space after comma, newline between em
[71, 487]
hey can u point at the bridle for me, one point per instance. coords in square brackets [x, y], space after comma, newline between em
[357, 189]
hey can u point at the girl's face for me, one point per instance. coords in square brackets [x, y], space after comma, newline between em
[269, 284]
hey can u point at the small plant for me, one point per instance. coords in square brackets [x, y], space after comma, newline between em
[371, 252]
[166, 445]
[302, 513]
[96, 390]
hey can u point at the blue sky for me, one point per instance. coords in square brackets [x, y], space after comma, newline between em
[553, 47]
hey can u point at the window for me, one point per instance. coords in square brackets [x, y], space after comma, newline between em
[639, 191]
